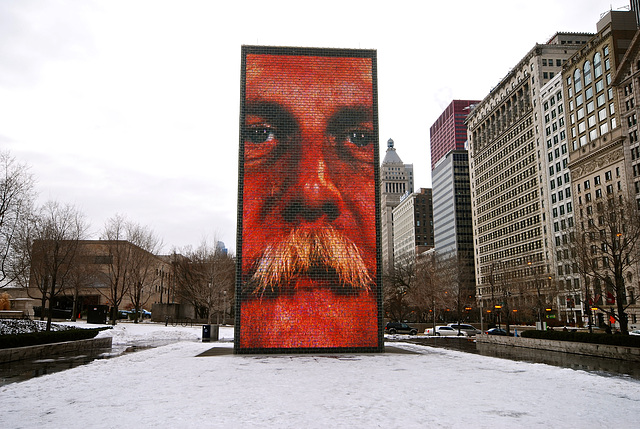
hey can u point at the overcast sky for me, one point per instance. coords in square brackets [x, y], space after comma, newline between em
[132, 107]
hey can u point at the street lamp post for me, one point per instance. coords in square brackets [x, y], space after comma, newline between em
[224, 307]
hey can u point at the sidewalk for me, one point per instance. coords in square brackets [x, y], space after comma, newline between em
[176, 386]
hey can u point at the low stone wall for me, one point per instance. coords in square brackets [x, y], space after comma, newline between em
[599, 350]
[11, 314]
[47, 350]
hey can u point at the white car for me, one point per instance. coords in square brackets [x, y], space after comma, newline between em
[635, 332]
[465, 329]
[442, 331]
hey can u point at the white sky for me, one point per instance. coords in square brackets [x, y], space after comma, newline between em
[435, 388]
[131, 107]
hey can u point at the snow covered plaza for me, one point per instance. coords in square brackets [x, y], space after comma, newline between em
[171, 386]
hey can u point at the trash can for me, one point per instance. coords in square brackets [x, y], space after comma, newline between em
[206, 333]
[97, 314]
[215, 332]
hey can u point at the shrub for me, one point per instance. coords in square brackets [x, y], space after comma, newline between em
[585, 337]
[37, 338]
[5, 303]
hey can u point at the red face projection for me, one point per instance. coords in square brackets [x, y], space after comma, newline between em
[308, 254]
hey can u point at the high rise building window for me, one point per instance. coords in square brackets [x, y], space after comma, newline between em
[577, 78]
[587, 73]
[597, 65]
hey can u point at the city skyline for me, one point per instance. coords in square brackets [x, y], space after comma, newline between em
[136, 113]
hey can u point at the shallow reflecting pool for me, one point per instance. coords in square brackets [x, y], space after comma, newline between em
[602, 366]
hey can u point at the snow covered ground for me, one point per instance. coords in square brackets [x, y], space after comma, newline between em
[171, 386]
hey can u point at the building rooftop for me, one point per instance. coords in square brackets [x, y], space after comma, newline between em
[391, 157]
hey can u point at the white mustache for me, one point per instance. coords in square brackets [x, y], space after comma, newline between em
[304, 252]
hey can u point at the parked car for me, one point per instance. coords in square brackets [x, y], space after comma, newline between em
[497, 331]
[399, 328]
[468, 330]
[442, 331]
[635, 332]
[144, 314]
[123, 314]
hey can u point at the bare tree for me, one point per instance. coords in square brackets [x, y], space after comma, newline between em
[605, 242]
[49, 249]
[142, 265]
[118, 256]
[81, 276]
[205, 278]
[429, 296]
[16, 203]
[399, 283]
[457, 278]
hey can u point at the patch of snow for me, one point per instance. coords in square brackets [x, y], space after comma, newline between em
[171, 386]
[20, 326]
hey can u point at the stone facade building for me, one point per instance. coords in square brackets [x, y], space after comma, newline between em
[396, 180]
[506, 148]
[413, 226]
[94, 271]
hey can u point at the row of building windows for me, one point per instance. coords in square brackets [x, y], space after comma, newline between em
[558, 180]
[504, 192]
[565, 254]
[523, 187]
[498, 146]
[509, 229]
[562, 209]
[557, 168]
[561, 195]
[524, 211]
[504, 151]
[596, 180]
[564, 239]
[505, 207]
[558, 151]
[512, 251]
[563, 224]
[509, 175]
[586, 70]
[595, 125]
[598, 193]
[550, 62]
[531, 172]
[502, 168]
[552, 101]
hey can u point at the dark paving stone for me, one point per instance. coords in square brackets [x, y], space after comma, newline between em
[224, 351]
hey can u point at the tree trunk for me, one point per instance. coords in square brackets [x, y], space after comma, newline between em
[74, 311]
[50, 312]
[43, 304]
[622, 315]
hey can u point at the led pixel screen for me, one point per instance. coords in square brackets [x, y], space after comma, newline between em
[308, 217]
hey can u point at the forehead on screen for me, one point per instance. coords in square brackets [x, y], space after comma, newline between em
[346, 76]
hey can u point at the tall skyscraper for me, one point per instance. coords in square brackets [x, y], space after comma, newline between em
[601, 121]
[451, 190]
[635, 7]
[452, 217]
[452, 204]
[506, 140]
[449, 131]
[628, 87]
[558, 201]
[413, 226]
[396, 180]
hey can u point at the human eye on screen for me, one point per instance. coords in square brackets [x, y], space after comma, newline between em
[260, 141]
[259, 134]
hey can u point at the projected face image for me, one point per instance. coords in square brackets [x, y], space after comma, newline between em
[309, 254]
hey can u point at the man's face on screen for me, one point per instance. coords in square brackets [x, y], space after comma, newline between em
[309, 185]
